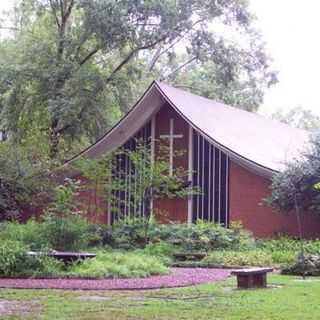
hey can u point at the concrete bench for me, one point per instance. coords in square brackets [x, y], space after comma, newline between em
[252, 278]
[66, 257]
[193, 256]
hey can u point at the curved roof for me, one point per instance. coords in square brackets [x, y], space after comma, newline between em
[259, 143]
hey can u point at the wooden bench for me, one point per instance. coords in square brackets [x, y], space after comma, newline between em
[252, 278]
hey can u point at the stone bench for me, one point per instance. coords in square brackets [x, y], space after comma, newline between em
[66, 257]
[193, 256]
[252, 278]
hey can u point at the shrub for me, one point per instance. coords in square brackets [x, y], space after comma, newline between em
[31, 234]
[14, 261]
[162, 250]
[59, 233]
[66, 233]
[308, 265]
[201, 236]
[238, 258]
[283, 257]
[119, 265]
[289, 244]
[13, 256]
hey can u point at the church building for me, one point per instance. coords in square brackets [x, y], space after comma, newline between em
[231, 154]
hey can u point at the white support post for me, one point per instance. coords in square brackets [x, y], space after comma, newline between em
[190, 173]
[153, 146]
[219, 208]
[227, 191]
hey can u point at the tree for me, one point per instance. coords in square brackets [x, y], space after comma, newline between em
[24, 174]
[150, 177]
[300, 118]
[297, 188]
[67, 62]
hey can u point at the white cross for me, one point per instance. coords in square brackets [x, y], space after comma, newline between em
[171, 136]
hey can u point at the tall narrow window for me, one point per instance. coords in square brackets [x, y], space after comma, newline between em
[210, 174]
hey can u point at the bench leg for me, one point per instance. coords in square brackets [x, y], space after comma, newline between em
[252, 281]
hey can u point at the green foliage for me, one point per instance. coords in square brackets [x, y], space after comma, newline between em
[160, 249]
[66, 233]
[304, 265]
[296, 186]
[31, 234]
[12, 257]
[154, 181]
[64, 202]
[119, 265]
[288, 244]
[65, 67]
[14, 261]
[200, 236]
[63, 225]
[227, 85]
[299, 117]
[238, 258]
[58, 233]
[23, 175]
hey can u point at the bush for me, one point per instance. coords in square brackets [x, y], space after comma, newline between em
[66, 233]
[308, 265]
[14, 261]
[119, 265]
[289, 244]
[13, 256]
[31, 234]
[202, 236]
[59, 233]
[162, 250]
[238, 258]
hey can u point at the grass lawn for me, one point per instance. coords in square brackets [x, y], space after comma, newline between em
[289, 298]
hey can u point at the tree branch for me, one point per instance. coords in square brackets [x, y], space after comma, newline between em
[173, 43]
[54, 11]
[130, 56]
[179, 68]
[88, 56]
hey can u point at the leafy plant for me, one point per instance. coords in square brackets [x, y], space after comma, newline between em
[238, 258]
[119, 265]
[31, 234]
[15, 261]
[21, 168]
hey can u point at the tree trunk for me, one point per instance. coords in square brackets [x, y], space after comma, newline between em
[54, 139]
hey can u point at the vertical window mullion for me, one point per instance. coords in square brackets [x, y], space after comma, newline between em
[219, 208]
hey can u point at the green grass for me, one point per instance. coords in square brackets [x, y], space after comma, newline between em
[289, 298]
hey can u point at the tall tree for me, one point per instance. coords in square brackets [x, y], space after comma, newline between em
[66, 63]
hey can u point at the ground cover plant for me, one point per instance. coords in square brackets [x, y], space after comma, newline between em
[286, 298]
[133, 264]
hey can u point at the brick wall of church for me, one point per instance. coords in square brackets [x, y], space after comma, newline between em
[247, 191]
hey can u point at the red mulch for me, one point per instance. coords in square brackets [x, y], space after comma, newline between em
[179, 277]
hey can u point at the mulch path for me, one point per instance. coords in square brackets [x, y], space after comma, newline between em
[179, 277]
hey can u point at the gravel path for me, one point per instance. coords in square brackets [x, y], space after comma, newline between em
[179, 277]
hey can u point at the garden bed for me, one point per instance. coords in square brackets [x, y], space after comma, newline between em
[178, 277]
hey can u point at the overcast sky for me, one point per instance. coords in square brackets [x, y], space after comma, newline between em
[291, 31]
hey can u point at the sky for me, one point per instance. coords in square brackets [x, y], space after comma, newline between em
[291, 32]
